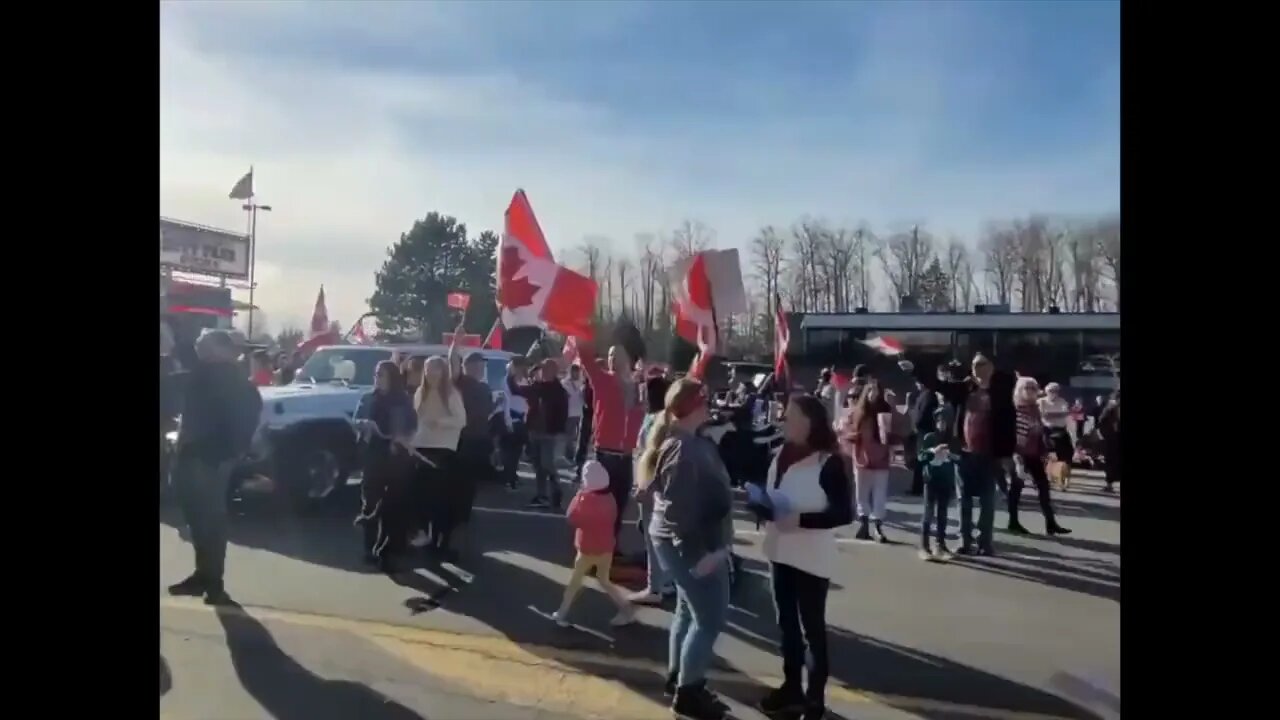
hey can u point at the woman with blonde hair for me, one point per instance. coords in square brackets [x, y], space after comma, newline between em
[692, 501]
[1030, 448]
[441, 417]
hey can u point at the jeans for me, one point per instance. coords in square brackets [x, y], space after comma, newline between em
[571, 430]
[701, 606]
[511, 444]
[435, 495]
[202, 494]
[619, 465]
[980, 474]
[546, 452]
[872, 488]
[657, 579]
[801, 603]
[937, 499]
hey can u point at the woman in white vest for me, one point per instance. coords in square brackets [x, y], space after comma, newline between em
[807, 495]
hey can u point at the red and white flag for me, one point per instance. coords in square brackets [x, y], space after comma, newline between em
[494, 340]
[570, 352]
[319, 316]
[781, 340]
[884, 345]
[357, 334]
[532, 289]
[458, 300]
[706, 285]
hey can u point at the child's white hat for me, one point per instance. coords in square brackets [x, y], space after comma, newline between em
[594, 476]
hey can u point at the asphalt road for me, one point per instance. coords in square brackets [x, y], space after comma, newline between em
[319, 637]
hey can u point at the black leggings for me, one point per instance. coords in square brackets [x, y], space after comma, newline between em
[801, 602]
[383, 502]
[434, 495]
[619, 467]
[1035, 468]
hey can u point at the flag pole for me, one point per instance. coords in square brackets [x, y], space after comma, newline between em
[253, 247]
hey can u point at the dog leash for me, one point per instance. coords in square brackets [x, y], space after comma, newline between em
[374, 429]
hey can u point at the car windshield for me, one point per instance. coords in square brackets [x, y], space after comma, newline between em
[353, 366]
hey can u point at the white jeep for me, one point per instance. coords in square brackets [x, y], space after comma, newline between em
[306, 447]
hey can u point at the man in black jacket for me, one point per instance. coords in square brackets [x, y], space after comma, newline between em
[986, 431]
[219, 415]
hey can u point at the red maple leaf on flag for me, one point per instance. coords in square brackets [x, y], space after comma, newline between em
[512, 292]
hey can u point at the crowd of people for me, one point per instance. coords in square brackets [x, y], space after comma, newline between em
[637, 435]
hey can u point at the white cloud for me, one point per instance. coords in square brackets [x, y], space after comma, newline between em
[350, 157]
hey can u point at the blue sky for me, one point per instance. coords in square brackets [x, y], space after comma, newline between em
[624, 118]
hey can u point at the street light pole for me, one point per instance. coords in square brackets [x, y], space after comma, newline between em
[252, 208]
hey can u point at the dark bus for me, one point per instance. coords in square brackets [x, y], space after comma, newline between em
[1080, 351]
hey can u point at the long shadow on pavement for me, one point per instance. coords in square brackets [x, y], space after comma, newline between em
[289, 691]
[513, 599]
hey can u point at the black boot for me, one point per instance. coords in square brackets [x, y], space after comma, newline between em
[864, 532]
[879, 533]
[1015, 527]
[695, 702]
[191, 587]
[787, 699]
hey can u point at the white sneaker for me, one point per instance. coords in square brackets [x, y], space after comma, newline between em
[624, 617]
[420, 540]
[560, 619]
[644, 597]
[924, 554]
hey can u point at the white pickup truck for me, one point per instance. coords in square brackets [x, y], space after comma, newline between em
[305, 447]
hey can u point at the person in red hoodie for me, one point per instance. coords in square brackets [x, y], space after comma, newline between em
[592, 513]
[616, 417]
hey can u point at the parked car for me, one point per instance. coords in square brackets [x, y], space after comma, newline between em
[306, 447]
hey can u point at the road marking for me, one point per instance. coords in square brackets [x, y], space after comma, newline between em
[550, 678]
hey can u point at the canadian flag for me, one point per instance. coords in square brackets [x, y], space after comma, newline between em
[570, 351]
[494, 339]
[357, 335]
[532, 289]
[706, 285]
[884, 345]
[319, 316]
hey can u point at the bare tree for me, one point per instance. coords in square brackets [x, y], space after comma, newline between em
[1000, 254]
[691, 237]
[623, 268]
[651, 274]
[957, 260]
[967, 284]
[905, 258]
[592, 254]
[1082, 261]
[766, 265]
[808, 238]
[1108, 233]
[864, 242]
[840, 263]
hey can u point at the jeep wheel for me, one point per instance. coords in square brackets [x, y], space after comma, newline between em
[320, 476]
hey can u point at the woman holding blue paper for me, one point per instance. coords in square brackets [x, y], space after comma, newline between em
[806, 496]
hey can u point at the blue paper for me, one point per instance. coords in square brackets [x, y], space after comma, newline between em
[757, 494]
[781, 506]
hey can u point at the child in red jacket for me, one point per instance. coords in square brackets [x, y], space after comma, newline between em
[592, 513]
